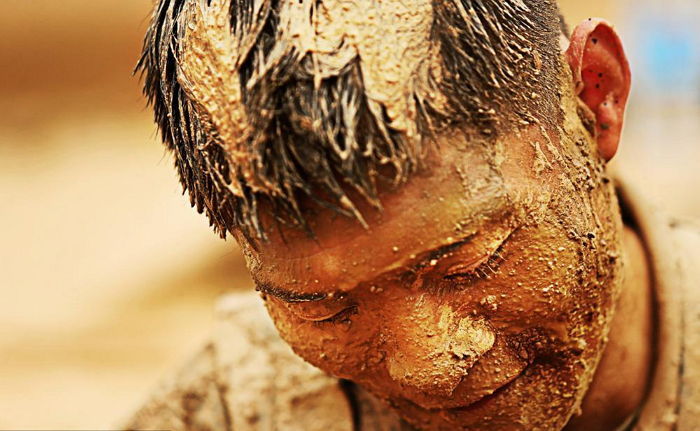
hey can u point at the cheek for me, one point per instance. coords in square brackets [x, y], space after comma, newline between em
[540, 284]
[343, 349]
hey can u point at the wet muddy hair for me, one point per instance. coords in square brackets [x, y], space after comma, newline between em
[306, 140]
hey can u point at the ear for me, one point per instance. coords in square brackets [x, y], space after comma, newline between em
[602, 79]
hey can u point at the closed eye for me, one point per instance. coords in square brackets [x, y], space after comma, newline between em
[472, 272]
[340, 316]
[319, 312]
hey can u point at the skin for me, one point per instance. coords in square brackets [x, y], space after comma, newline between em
[617, 390]
[602, 79]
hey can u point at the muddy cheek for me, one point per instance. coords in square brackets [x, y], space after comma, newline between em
[296, 335]
[536, 285]
[343, 349]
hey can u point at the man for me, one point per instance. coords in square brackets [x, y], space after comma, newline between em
[421, 194]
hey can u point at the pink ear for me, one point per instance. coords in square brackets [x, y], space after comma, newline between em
[602, 79]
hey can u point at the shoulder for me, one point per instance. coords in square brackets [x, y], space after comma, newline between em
[673, 249]
[686, 234]
[247, 378]
[686, 239]
[187, 400]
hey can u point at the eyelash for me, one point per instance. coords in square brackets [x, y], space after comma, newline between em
[343, 315]
[483, 271]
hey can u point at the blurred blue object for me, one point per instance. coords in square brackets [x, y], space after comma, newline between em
[664, 48]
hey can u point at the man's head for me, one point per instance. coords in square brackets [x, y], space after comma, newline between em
[418, 186]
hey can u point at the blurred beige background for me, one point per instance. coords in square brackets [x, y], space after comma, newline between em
[107, 277]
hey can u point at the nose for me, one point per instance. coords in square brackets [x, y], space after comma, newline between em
[435, 347]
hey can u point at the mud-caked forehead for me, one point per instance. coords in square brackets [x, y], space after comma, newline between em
[269, 103]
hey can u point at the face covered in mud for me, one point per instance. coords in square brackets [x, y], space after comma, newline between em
[478, 298]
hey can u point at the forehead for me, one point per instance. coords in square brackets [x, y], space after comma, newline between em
[460, 198]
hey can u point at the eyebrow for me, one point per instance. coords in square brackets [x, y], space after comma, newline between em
[288, 295]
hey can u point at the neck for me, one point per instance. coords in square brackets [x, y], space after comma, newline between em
[622, 378]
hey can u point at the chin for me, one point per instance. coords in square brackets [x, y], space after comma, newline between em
[534, 400]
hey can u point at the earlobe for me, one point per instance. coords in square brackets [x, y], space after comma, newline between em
[602, 79]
